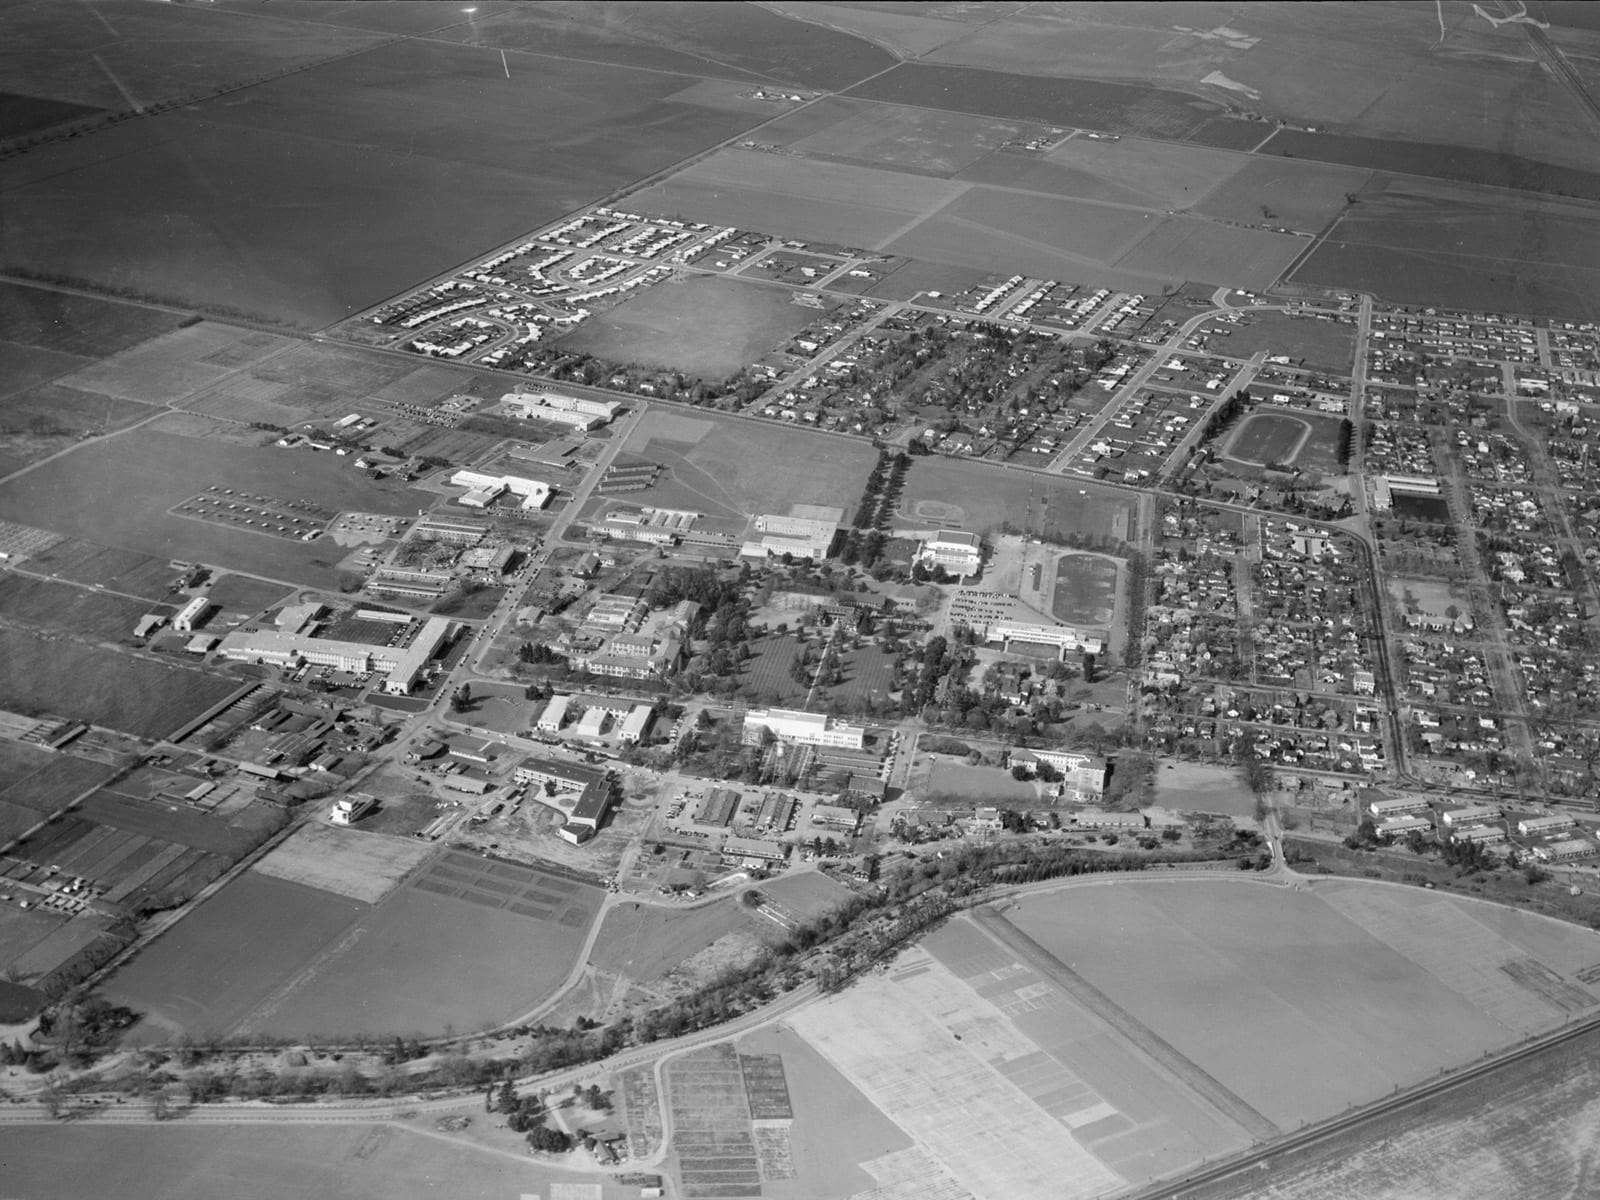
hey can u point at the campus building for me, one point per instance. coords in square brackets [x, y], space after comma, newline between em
[803, 728]
[483, 490]
[961, 554]
[192, 614]
[806, 532]
[561, 410]
[1062, 637]
[289, 650]
[1083, 776]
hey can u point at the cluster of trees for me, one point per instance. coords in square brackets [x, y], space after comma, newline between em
[881, 494]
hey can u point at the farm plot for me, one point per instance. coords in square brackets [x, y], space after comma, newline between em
[360, 865]
[45, 782]
[731, 468]
[711, 1134]
[69, 323]
[40, 420]
[1085, 589]
[708, 326]
[46, 605]
[143, 474]
[981, 500]
[1351, 997]
[102, 687]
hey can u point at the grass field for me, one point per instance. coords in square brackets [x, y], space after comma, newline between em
[1348, 984]
[644, 942]
[1189, 248]
[726, 467]
[119, 570]
[1194, 787]
[1085, 589]
[1297, 195]
[72, 324]
[271, 1162]
[143, 473]
[1270, 438]
[46, 784]
[708, 326]
[953, 783]
[1325, 345]
[46, 605]
[102, 687]
[987, 499]
[915, 139]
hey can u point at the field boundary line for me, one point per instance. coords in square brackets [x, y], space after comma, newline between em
[993, 923]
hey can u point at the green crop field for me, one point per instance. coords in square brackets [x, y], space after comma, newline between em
[708, 326]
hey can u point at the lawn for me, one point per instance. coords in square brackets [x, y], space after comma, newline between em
[1320, 345]
[347, 862]
[953, 783]
[47, 785]
[1270, 438]
[1225, 968]
[987, 499]
[707, 325]
[103, 687]
[727, 467]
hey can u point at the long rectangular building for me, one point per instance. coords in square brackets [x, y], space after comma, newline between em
[280, 648]
[414, 659]
[806, 728]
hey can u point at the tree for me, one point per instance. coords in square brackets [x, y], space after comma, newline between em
[549, 1141]
[461, 700]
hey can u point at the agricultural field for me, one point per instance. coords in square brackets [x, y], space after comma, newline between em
[1285, 192]
[1085, 589]
[979, 499]
[645, 942]
[910, 139]
[1194, 249]
[45, 781]
[116, 570]
[182, 235]
[43, 604]
[270, 1162]
[1160, 176]
[708, 326]
[134, 695]
[1418, 242]
[1356, 987]
[726, 467]
[142, 474]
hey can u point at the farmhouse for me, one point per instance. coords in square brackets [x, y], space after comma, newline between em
[804, 728]
[961, 554]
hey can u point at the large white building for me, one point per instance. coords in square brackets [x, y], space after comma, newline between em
[562, 410]
[807, 531]
[805, 728]
[961, 554]
[282, 649]
[1062, 637]
[191, 614]
[483, 490]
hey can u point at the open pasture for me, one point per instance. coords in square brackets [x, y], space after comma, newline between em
[69, 323]
[26, 114]
[143, 474]
[166, 368]
[60, 606]
[707, 325]
[901, 29]
[1418, 242]
[911, 139]
[1298, 195]
[988, 499]
[466, 942]
[1194, 249]
[1339, 981]
[180, 234]
[735, 467]
[1084, 591]
[1155, 175]
[42, 419]
[102, 687]
[1322, 345]
[1270, 438]
[354, 863]
[45, 782]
